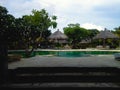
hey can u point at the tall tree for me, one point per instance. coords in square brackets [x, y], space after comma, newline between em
[36, 26]
[92, 33]
[75, 33]
[3, 21]
[117, 31]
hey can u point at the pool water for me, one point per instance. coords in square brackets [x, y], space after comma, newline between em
[66, 53]
[74, 53]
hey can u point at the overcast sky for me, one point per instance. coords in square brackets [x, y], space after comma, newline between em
[96, 14]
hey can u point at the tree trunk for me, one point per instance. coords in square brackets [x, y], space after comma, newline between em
[28, 52]
[104, 44]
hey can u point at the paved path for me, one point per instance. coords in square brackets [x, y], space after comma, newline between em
[51, 61]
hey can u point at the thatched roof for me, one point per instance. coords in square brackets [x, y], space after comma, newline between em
[105, 34]
[58, 35]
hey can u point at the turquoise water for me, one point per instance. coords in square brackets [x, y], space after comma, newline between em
[74, 53]
[66, 53]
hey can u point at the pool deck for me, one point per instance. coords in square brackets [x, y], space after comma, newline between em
[88, 49]
[52, 61]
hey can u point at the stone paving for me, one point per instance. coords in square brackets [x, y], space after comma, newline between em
[52, 61]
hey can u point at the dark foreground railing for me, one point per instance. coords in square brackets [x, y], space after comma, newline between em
[42, 77]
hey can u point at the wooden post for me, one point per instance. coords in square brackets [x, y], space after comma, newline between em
[104, 45]
[3, 62]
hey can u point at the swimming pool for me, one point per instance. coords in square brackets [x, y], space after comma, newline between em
[60, 53]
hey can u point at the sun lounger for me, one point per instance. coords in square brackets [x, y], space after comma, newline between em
[117, 56]
[14, 57]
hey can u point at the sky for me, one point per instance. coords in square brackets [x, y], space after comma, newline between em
[90, 14]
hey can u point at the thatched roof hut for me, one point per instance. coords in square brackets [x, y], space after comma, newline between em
[59, 37]
[105, 35]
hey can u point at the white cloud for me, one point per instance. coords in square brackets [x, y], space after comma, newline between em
[68, 11]
[92, 26]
